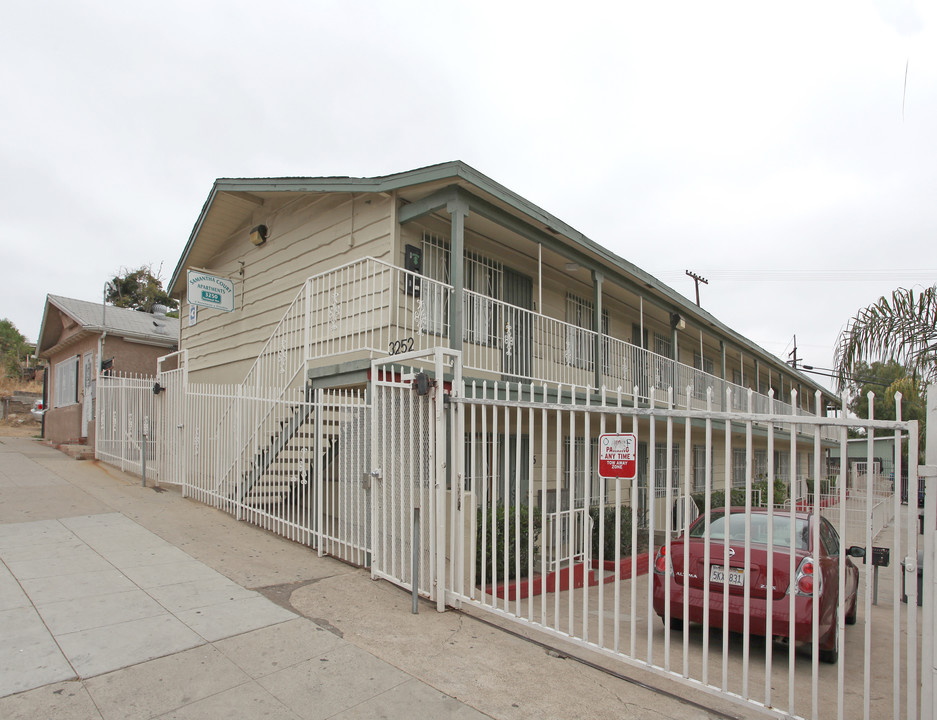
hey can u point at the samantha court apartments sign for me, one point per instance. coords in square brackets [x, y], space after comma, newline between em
[210, 291]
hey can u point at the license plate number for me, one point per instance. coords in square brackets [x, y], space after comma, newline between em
[718, 574]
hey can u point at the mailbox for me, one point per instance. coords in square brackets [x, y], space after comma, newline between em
[881, 556]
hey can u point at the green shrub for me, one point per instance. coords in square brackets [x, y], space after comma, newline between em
[719, 499]
[624, 540]
[737, 498]
[496, 518]
[780, 491]
[826, 486]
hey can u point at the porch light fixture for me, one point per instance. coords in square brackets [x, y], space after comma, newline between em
[677, 322]
[259, 235]
[572, 266]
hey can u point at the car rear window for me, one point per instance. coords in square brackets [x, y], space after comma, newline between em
[759, 529]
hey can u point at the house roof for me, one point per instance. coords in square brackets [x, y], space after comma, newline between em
[231, 201]
[94, 318]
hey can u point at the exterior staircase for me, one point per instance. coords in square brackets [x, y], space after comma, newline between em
[287, 462]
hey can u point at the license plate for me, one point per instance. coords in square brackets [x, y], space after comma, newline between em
[717, 574]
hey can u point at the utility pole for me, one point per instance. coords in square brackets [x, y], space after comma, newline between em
[793, 354]
[697, 279]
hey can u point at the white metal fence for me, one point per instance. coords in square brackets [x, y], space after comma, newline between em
[763, 655]
[467, 486]
[302, 476]
[126, 431]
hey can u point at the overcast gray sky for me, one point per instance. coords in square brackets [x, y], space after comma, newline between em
[782, 152]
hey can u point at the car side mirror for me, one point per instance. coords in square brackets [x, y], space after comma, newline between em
[856, 551]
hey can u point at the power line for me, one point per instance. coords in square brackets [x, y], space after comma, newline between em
[899, 275]
[832, 374]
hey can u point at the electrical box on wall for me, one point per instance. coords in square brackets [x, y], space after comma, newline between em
[413, 262]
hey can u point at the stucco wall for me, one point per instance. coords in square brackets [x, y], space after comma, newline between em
[63, 424]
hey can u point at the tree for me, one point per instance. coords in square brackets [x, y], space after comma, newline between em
[887, 348]
[901, 328]
[139, 290]
[884, 380]
[13, 348]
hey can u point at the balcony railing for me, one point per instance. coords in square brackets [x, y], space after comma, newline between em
[524, 345]
[370, 308]
[366, 307]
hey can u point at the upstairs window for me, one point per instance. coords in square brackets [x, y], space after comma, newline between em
[580, 314]
[703, 378]
[482, 278]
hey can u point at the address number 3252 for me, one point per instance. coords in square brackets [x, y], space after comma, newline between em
[400, 346]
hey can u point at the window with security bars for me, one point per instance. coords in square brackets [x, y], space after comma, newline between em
[782, 465]
[739, 396]
[660, 469]
[703, 378]
[663, 366]
[574, 472]
[699, 467]
[738, 467]
[436, 266]
[478, 460]
[580, 314]
[498, 468]
[66, 382]
[760, 465]
[481, 276]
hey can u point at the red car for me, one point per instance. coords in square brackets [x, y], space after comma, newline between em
[816, 575]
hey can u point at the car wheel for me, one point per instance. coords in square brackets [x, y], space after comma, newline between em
[831, 656]
[853, 613]
[675, 623]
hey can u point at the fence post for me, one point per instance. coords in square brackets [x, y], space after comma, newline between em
[929, 587]
[144, 433]
[320, 473]
[239, 450]
[440, 482]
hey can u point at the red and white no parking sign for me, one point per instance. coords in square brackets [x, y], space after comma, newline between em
[618, 456]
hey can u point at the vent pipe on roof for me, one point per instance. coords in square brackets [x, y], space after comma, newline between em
[159, 313]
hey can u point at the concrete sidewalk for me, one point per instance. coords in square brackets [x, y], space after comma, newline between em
[118, 601]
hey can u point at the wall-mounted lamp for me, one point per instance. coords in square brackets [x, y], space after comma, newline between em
[259, 235]
[572, 266]
[677, 322]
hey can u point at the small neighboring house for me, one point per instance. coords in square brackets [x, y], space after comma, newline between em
[857, 458]
[79, 337]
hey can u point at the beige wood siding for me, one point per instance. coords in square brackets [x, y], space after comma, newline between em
[307, 236]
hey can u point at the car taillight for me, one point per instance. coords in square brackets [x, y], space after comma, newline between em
[660, 562]
[806, 578]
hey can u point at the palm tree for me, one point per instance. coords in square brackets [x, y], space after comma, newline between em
[901, 328]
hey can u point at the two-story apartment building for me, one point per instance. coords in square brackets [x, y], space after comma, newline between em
[331, 272]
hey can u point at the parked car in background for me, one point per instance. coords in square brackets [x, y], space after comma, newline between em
[38, 410]
[815, 579]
